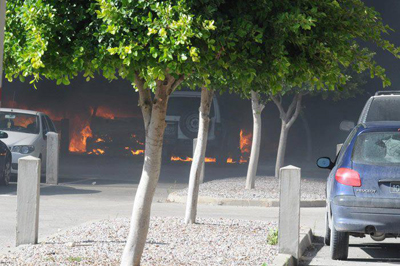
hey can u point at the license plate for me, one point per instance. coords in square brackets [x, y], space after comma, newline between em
[394, 187]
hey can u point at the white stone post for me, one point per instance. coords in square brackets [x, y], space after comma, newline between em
[338, 148]
[28, 195]
[289, 211]
[52, 158]
[202, 167]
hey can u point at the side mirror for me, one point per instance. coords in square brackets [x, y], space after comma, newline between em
[325, 163]
[3, 135]
[347, 125]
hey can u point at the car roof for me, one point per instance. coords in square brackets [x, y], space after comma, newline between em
[381, 124]
[186, 94]
[30, 112]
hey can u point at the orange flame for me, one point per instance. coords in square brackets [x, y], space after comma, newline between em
[137, 152]
[78, 141]
[189, 159]
[97, 151]
[245, 145]
[230, 160]
[210, 160]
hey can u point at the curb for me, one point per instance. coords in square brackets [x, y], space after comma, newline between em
[305, 241]
[173, 197]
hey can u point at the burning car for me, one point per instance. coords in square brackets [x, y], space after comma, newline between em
[183, 124]
[26, 134]
[363, 187]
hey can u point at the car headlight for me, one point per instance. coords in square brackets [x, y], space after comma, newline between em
[23, 149]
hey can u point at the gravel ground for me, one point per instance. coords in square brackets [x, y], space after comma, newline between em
[266, 187]
[169, 242]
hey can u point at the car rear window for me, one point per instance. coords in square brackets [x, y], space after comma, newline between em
[384, 109]
[179, 106]
[380, 148]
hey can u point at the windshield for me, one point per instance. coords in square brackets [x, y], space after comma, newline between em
[10, 121]
[381, 148]
[384, 109]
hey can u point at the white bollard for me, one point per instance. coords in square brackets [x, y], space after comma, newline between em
[202, 167]
[28, 195]
[52, 159]
[289, 211]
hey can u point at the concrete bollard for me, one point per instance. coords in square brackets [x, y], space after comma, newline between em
[202, 167]
[338, 148]
[28, 195]
[52, 158]
[289, 211]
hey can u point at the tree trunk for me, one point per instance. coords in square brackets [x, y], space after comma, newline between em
[288, 118]
[256, 140]
[280, 158]
[199, 155]
[155, 125]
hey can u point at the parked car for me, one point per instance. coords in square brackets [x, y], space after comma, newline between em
[26, 134]
[383, 106]
[363, 187]
[5, 161]
[183, 124]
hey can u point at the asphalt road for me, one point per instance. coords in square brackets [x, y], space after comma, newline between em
[103, 188]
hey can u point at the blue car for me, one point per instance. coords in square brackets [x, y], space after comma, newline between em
[363, 187]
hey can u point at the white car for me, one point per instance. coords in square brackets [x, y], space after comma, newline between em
[26, 134]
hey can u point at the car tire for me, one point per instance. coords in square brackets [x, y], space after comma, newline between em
[5, 179]
[189, 124]
[327, 237]
[339, 247]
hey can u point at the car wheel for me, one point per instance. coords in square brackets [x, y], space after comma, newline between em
[6, 173]
[339, 243]
[327, 238]
[189, 124]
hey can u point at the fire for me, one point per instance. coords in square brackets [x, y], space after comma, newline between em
[210, 160]
[99, 140]
[97, 152]
[230, 160]
[105, 112]
[137, 152]
[189, 159]
[78, 141]
[176, 158]
[245, 146]
[245, 142]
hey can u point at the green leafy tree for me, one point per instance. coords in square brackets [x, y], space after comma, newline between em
[154, 44]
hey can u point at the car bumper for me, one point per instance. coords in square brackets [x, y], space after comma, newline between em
[352, 214]
[16, 156]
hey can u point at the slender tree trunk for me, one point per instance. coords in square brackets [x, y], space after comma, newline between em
[280, 158]
[199, 155]
[154, 113]
[288, 118]
[256, 140]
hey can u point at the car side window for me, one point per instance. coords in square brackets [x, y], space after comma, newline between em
[50, 124]
[346, 144]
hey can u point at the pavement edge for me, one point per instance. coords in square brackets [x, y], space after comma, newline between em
[288, 260]
[173, 197]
